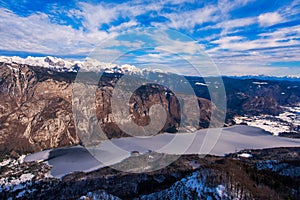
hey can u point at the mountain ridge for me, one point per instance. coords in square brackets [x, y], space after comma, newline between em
[89, 64]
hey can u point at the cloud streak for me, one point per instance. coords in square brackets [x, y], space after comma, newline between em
[269, 19]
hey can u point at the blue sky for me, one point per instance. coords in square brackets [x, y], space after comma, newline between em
[241, 36]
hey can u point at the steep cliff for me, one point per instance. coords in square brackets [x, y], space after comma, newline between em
[36, 108]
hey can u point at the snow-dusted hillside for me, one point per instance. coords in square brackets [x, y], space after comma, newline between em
[285, 122]
[196, 186]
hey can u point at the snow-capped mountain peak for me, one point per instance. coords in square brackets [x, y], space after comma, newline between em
[62, 65]
[47, 62]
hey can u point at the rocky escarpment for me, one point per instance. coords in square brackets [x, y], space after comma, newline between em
[36, 108]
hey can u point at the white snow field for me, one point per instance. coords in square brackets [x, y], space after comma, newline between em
[229, 140]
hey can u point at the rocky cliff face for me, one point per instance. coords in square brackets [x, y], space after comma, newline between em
[36, 108]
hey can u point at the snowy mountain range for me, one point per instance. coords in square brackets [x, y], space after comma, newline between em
[62, 65]
[89, 64]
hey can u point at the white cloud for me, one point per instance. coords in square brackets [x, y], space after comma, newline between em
[283, 33]
[269, 19]
[280, 38]
[94, 16]
[36, 33]
[291, 11]
[124, 26]
[228, 39]
[261, 57]
[279, 45]
[227, 5]
[236, 23]
[274, 45]
[180, 47]
[177, 2]
[188, 19]
[230, 26]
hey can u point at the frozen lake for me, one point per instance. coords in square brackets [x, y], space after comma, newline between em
[230, 139]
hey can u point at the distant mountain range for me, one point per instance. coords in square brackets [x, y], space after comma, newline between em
[89, 64]
[269, 78]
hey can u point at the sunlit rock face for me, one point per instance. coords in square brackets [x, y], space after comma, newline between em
[36, 108]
